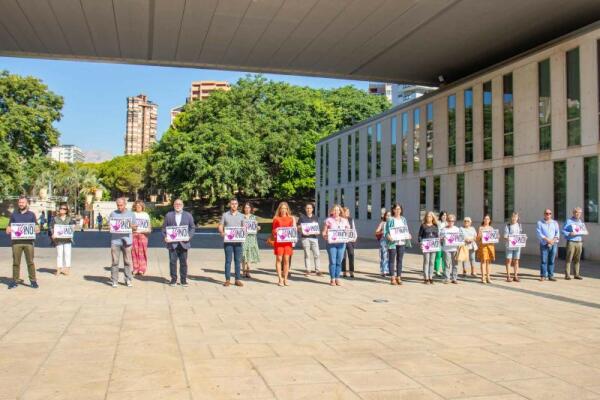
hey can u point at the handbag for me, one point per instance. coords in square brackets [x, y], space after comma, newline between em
[271, 241]
[462, 254]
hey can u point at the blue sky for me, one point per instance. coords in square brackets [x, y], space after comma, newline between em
[95, 94]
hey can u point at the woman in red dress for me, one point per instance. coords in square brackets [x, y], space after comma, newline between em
[283, 250]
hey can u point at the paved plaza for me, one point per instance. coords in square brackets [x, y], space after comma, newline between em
[78, 338]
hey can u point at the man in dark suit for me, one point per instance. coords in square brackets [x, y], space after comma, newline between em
[178, 249]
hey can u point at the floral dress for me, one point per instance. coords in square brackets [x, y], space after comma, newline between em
[250, 246]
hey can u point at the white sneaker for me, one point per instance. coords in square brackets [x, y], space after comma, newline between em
[129, 284]
[115, 284]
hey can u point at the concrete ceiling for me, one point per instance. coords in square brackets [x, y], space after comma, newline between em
[379, 40]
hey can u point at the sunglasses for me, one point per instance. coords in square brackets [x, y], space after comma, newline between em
[63, 209]
[548, 213]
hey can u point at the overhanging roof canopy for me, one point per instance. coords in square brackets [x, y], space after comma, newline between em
[378, 40]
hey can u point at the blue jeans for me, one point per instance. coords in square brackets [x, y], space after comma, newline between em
[383, 256]
[336, 255]
[232, 250]
[548, 257]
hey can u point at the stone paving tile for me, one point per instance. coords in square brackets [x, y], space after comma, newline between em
[421, 364]
[175, 394]
[404, 394]
[376, 380]
[550, 388]
[292, 370]
[463, 385]
[321, 391]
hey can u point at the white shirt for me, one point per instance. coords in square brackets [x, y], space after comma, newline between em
[178, 217]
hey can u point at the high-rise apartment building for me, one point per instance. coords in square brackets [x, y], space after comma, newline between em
[381, 89]
[66, 153]
[200, 90]
[404, 93]
[141, 124]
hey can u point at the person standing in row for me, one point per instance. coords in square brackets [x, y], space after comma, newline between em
[486, 252]
[25, 216]
[99, 220]
[395, 247]
[335, 250]
[348, 262]
[63, 245]
[449, 249]
[120, 243]
[428, 230]
[548, 233]
[178, 250]
[383, 249]
[571, 230]
[439, 257]
[250, 245]
[232, 218]
[282, 250]
[310, 241]
[470, 235]
[513, 255]
[139, 250]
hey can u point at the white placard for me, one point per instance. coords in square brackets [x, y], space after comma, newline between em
[310, 228]
[335, 236]
[516, 241]
[579, 228]
[177, 234]
[120, 225]
[454, 239]
[251, 226]
[431, 245]
[22, 231]
[398, 233]
[490, 236]
[286, 235]
[143, 225]
[234, 234]
[63, 231]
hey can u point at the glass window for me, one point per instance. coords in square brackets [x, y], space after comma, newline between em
[429, 136]
[437, 186]
[590, 189]
[317, 204]
[488, 196]
[394, 140]
[326, 164]
[452, 130]
[509, 192]
[369, 152]
[507, 103]
[327, 202]
[382, 201]
[422, 196]
[393, 198]
[342, 199]
[460, 196]
[378, 149]
[356, 202]
[487, 120]
[416, 142]
[369, 202]
[598, 64]
[349, 158]
[544, 105]
[404, 142]
[339, 160]
[320, 165]
[573, 99]
[336, 196]
[560, 190]
[356, 156]
[468, 94]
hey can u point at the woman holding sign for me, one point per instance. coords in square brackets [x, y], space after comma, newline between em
[470, 247]
[429, 233]
[486, 251]
[513, 253]
[62, 238]
[250, 246]
[395, 233]
[139, 250]
[285, 234]
[451, 238]
[335, 232]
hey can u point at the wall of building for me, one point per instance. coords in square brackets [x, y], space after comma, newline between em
[533, 168]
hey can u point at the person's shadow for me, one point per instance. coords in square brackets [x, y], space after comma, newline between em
[98, 279]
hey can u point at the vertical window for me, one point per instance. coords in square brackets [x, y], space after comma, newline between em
[393, 198]
[507, 105]
[573, 99]
[383, 201]
[468, 126]
[369, 152]
[317, 204]
[509, 192]
[429, 137]
[336, 196]
[342, 199]
[349, 158]
[452, 130]
[327, 203]
[460, 196]
[320, 164]
[590, 189]
[404, 142]
[488, 196]
[416, 142]
[339, 160]
[356, 202]
[356, 156]
[422, 196]
[544, 105]
[394, 140]
[487, 120]
[437, 186]
[560, 190]
[598, 64]
[378, 149]
[326, 164]
[369, 202]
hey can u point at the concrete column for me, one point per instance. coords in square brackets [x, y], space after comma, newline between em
[575, 186]
[474, 195]
[448, 191]
[558, 87]
[422, 138]
[498, 194]
[497, 119]
[525, 105]
[440, 133]
[386, 141]
[588, 64]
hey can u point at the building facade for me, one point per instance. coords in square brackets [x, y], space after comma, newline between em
[520, 136]
[142, 115]
[381, 89]
[66, 153]
[404, 93]
[200, 90]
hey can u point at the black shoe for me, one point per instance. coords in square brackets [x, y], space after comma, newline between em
[173, 283]
[34, 285]
[184, 284]
[553, 279]
[578, 277]
[12, 285]
[567, 277]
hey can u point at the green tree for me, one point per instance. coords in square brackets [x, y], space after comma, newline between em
[123, 175]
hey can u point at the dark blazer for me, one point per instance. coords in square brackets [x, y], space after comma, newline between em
[186, 219]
